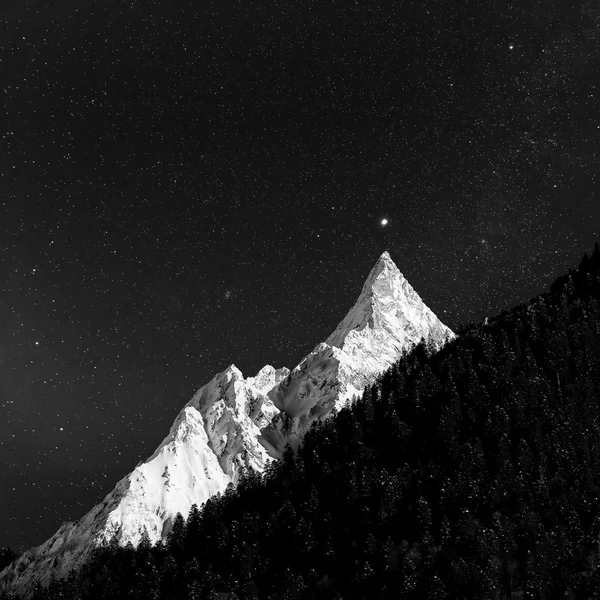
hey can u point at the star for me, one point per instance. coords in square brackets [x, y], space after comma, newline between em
[384, 222]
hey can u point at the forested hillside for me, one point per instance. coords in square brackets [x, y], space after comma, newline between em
[470, 473]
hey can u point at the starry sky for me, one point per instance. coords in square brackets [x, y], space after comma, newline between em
[185, 185]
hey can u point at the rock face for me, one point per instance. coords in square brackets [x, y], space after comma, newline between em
[232, 422]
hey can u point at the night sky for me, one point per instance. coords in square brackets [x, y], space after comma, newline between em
[186, 185]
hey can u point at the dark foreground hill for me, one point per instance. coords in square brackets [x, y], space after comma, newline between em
[470, 473]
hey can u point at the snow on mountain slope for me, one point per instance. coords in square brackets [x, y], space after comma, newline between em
[232, 422]
[387, 320]
[212, 437]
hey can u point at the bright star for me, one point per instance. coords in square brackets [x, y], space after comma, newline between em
[384, 222]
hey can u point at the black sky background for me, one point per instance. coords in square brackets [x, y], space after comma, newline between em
[188, 185]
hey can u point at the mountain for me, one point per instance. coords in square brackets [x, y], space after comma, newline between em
[211, 438]
[472, 472]
[388, 319]
[232, 422]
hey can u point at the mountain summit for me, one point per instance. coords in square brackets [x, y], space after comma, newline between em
[233, 423]
[388, 313]
[388, 319]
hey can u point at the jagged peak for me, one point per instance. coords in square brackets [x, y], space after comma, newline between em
[233, 370]
[267, 377]
[266, 370]
[382, 284]
[384, 269]
[385, 257]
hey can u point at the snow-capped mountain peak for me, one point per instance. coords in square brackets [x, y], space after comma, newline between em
[384, 291]
[387, 320]
[212, 438]
[233, 423]
[391, 310]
